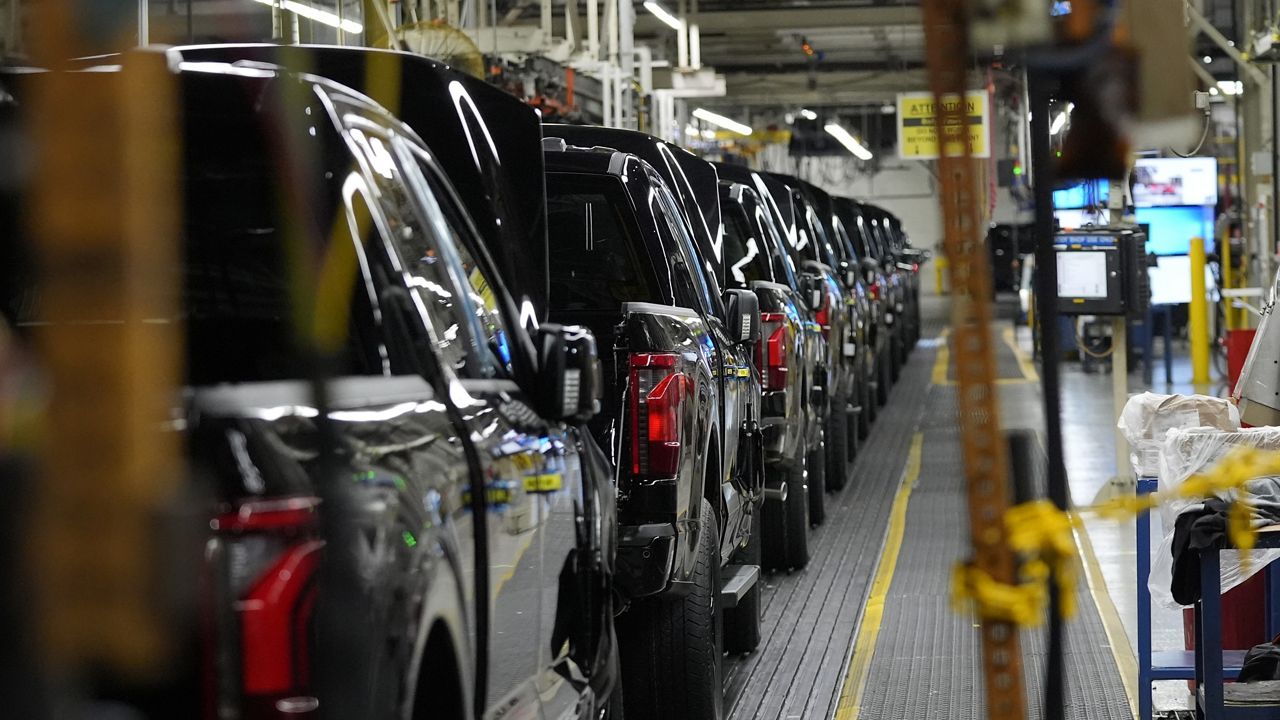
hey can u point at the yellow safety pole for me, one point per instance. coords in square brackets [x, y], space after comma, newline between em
[1198, 325]
[939, 270]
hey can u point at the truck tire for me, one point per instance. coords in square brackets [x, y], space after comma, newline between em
[797, 517]
[742, 623]
[839, 455]
[773, 517]
[882, 387]
[899, 356]
[870, 401]
[672, 647]
[868, 414]
[817, 475]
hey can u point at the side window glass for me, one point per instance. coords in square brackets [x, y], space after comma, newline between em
[745, 259]
[371, 346]
[783, 265]
[684, 242]
[682, 290]
[482, 288]
[420, 256]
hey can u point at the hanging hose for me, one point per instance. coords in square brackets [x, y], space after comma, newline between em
[1084, 348]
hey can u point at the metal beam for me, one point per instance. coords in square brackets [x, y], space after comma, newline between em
[778, 89]
[1198, 22]
[792, 19]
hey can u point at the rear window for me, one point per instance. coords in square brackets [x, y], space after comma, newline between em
[746, 256]
[597, 259]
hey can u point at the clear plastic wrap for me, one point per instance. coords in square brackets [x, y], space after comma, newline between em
[1185, 453]
[1147, 418]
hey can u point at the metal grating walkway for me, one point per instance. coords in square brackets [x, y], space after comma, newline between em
[926, 660]
[810, 616]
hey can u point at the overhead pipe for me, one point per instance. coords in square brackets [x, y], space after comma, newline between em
[593, 29]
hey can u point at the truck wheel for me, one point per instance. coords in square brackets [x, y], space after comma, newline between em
[672, 647]
[817, 477]
[898, 355]
[742, 623]
[882, 387]
[839, 453]
[773, 518]
[797, 545]
[870, 404]
[786, 524]
[868, 414]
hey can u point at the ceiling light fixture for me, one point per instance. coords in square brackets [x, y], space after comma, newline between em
[324, 17]
[664, 15]
[722, 121]
[1230, 87]
[850, 143]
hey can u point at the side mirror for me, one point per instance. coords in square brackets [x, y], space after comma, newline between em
[569, 380]
[742, 310]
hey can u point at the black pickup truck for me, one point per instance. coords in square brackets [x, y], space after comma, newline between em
[681, 413]
[695, 185]
[791, 357]
[902, 277]
[823, 296]
[910, 260]
[842, 319]
[428, 531]
[872, 323]
[856, 226]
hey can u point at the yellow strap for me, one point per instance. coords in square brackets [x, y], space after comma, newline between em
[1042, 535]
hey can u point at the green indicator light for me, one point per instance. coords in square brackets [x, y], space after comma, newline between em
[409, 539]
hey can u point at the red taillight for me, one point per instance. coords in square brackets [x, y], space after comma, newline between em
[657, 395]
[270, 551]
[875, 290]
[771, 353]
[823, 316]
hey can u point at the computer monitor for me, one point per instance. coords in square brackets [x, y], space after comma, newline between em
[1162, 182]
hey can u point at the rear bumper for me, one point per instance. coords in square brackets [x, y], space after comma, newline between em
[646, 556]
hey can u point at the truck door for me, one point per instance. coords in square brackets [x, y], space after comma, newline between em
[418, 253]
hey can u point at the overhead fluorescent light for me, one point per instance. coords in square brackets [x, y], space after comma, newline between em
[324, 17]
[1231, 87]
[664, 15]
[1060, 121]
[808, 114]
[722, 121]
[851, 143]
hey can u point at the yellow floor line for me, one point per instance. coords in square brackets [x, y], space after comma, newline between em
[1026, 364]
[1126, 661]
[942, 359]
[864, 646]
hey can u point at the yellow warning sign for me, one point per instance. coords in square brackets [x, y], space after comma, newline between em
[918, 131]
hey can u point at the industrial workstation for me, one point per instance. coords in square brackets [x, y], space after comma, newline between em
[643, 360]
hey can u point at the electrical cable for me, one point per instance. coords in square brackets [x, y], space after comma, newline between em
[1084, 346]
[1204, 134]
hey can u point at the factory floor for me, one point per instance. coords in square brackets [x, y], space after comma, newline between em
[867, 630]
